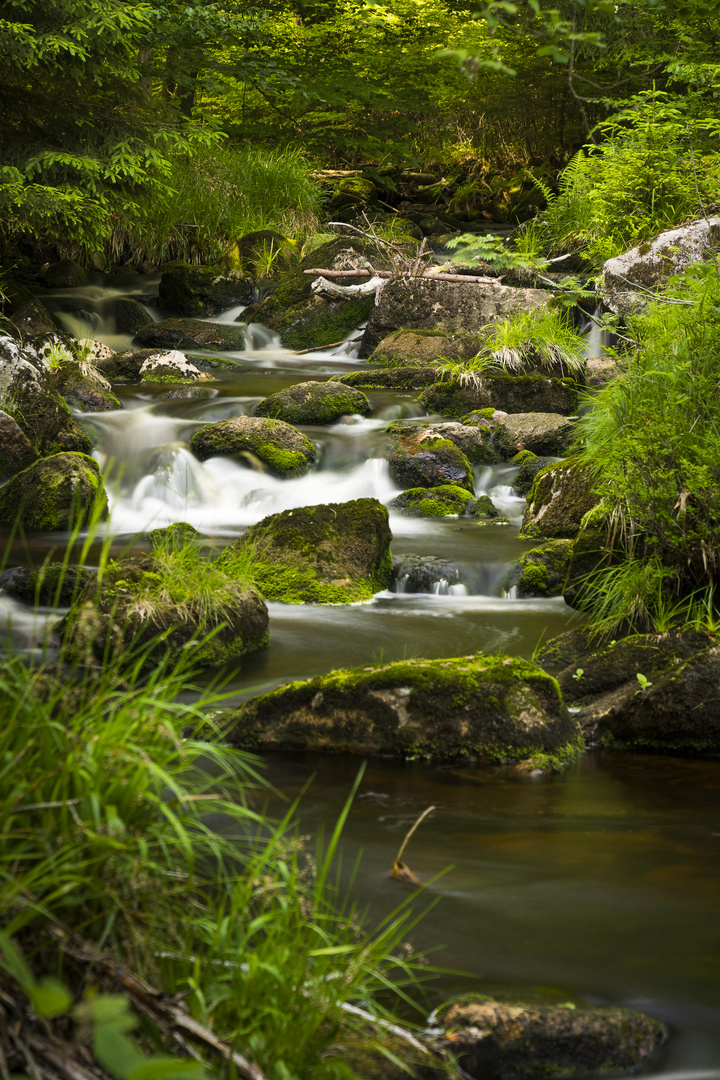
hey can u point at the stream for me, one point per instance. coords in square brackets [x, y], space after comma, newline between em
[601, 883]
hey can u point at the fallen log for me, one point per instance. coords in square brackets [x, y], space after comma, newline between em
[484, 280]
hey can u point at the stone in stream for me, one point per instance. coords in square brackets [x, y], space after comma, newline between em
[190, 290]
[55, 493]
[66, 274]
[475, 440]
[396, 378]
[541, 432]
[542, 571]
[327, 554]
[130, 315]
[173, 602]
[171, 367]
[191, 334]
[513, 1040]
[50, 585]
[447, 500]
[421, 348]
[421, 459]
[33, 319]
[314, 403]
[560, 497]
[423, 574]
[487, 708]
[452, 307]
[28, 396]
[284, 449]
[507, 393]
[530, 465]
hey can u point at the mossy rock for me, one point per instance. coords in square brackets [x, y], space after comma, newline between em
[191, 334]
[418, 460]
[396, 378]
[314, 403]
[46, 585]
[507, 393]
[560, 497]
[422, 348]
[352, 191]
[489, 708]
[16, 450]
[180, 532]
[123, 366]
[130, 315]
[283, 449]
[129, 608]
[28, 395]
[385, 1056]
[328, 554]
[530, 465]
[254, 246]
[448, 500]
[517, 1041]
[83, 388]
[475, 440]
[319, 323]
[66, 274]
[172, 367]
[192, 291]
[542, 571]
[55, 493]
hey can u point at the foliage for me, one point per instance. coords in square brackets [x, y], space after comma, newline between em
[496, 251]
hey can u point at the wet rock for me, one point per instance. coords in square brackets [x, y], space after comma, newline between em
[27, 394]
[397, 378]
[421, 459]
[424, 574]
[600, 370]
[328, 554]
[83, 387]
[192, 290]
[560, 497]
[651, 264]
[475, 440]
[444, 501]
[286, 451]
[515, 1041]
[191, 334]
[173, 367]
[314, 403]
[541, 432]
[542, 571]
[168, 604]
[33, 319]
[66, 274]
[130, 315]
[424, 347]
[16, 450]
[55, 493]
[489, 708]
[50, 585]
[180, 533]
[530, 465]
[451, 307]
[507, 393]
[123, 366]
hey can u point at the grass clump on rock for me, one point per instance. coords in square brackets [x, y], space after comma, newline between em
[489, 708]
[279, 446]
[327, 554]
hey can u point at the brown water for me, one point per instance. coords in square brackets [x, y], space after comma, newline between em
[603, 882]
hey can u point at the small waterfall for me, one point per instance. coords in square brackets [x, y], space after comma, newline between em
[496, 481]
[596, 339]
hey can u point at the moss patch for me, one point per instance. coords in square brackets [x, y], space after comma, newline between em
[286, 451]
[560, 497]
[419, 460]
[314, 403]
[55, 494]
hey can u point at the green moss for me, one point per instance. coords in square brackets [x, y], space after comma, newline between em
[319, 325]
[314, 403]
[283, 461]
[55, 493]
[523, 456]
[444, 501]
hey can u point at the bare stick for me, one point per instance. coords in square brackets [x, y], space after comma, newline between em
[407, 838]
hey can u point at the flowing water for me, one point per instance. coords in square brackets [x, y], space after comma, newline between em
[602, 883]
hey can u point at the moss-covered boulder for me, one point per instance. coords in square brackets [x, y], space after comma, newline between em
[171, 367]
[28, 396]
[395, 378]
[475, 440]
[55, 493]
[66, 274]
[507, 393]
[84, 388]
[424, 460]
[560, 497]
[445, 501]
[174, 603]
[529, 466]
[542, 571]
[314, 403]
[383, 1055]
[512, 1040]
[191, 291]
[191, 334]
[130, 315]
[283, 449]
[540, 432]
[328, 554]
[16, 450]
[596, 548]
[423, 348]
[489, 708]
[48, 585]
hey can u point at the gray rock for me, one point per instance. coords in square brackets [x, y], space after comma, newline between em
[16, 450]
[130, 315]
[423, 460]
[473, 440]
[191, 334]
[423, 574]
[424, 347]
[541, 432]
[171, 367]
[560, 497]
[507, 393]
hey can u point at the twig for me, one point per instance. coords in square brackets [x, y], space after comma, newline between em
[657, 296]
[427, 273]
[257, 310]
[321, 348]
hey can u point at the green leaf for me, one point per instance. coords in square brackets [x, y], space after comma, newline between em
[162, 1068]
[117, 1054]
[50, 997]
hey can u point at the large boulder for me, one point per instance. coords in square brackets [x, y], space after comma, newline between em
[173, 602]
[284, 450]
[33, 319]
[191, 334]
[327, 554]
[424, 574]
[651, 264]
[560, 497]
[314, 403]
[58, 492]
[50, 585]
[123, 366]
[529, 466]
[130, 315]
[540, 432]
[516, 1041]
[66, 274]
[489, 708]
[542, 571]
[190, 290]
[171, 367]
[422, 348]
[27, 394]
[421, 459]
[451, 307]
[507, 393]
